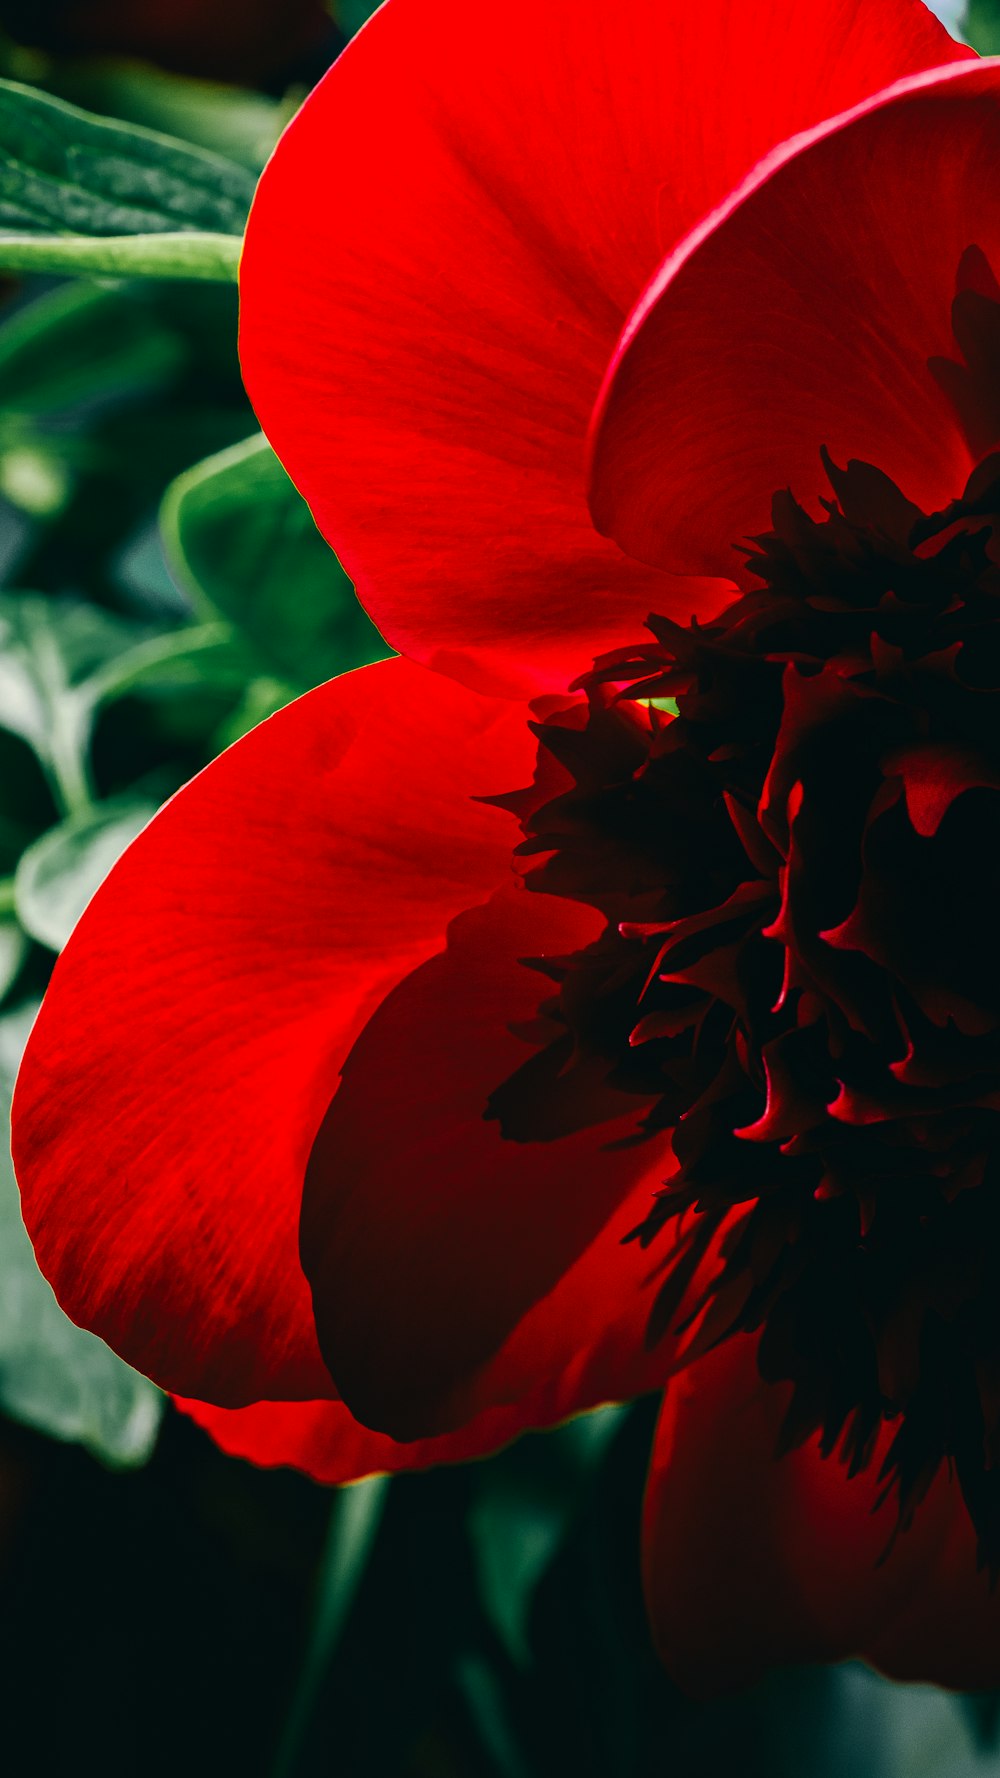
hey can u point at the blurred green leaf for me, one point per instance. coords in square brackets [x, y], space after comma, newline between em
[525, 1502]
[352, 14]
[55, 1376]
[355, 1517]
[229, 120]
[78, 341]
[240, 537]
[59, 873]
[175, 661]
[982, 1714]
[48, 647]
[981, 26]
[80, 193]
[484, 1697]
[14, 947]
[34, 479]
[261, 698]
[914, 1731]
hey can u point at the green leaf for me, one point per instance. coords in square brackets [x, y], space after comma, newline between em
[484, 1697]
[72, 343]
[67, 171]
[80, 193]
[240, 537]
[54, 1376]
[355, 1517]
[177, 661]
[261, 698]
[34, 478]
[59, 873]
[981, 26]
[982, 1715]
[14, 947]
[352, 14]
[231, 121]
[48, 649]
[525, 1502]
[913, 1731]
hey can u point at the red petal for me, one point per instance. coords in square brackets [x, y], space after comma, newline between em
[934, 775]
[193, 1033]
[324, 1439]
[754, 1561]
[949, 1632]
[440, 258]
[453, 1269]
[803, 314]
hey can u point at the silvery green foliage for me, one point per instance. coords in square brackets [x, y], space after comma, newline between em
[54, 1376]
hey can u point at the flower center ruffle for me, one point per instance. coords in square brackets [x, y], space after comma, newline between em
[790, 818]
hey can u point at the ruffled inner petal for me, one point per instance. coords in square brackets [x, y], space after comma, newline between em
[809, 312]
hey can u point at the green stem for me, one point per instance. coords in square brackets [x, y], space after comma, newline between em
[213, 257]
[69, 774]
[132, 667]
[7, 902]
[67, 741]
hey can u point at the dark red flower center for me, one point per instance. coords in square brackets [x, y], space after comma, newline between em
[790, 818]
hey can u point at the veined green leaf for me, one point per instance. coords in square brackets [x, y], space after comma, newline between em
[67, 171]
[86, 194]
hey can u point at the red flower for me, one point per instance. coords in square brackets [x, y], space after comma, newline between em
[299, 1131]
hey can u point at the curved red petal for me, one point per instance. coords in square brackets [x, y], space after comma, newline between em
[440, 258]
[323, 1439]
[192, 1036]
[949, 1632]
[453, 1269]
[753, 1560]
[714, 401]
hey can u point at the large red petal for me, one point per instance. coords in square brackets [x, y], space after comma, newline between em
[454, 1269]
[192, 1036]
[754, 1561]
[949, 1633]
[440, 258]
[803, 314]
[323, 1439]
